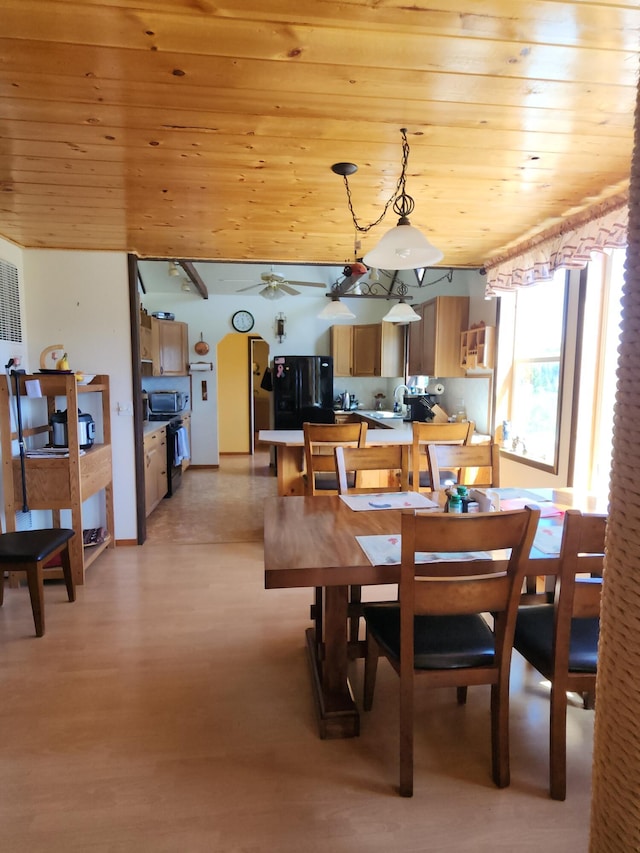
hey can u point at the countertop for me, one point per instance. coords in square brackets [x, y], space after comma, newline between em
[151, 426]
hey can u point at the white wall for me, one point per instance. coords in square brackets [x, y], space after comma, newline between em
[81, 300]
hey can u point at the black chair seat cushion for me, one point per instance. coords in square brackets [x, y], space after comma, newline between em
[447, 477]
[30, 546]
[534, 639]
[329, 481]
[440, 642]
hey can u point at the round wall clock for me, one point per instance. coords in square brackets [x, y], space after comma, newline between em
[242, 321]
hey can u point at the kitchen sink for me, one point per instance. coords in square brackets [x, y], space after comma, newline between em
[381, 415]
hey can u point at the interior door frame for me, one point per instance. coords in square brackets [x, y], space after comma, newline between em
[136, 396]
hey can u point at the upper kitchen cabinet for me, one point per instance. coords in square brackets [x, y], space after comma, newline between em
[164, 347]
[376, 349]
[342, 350]
[434, 342]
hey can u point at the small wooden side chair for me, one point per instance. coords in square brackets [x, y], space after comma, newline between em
[473, 464]
[29, 551]
[429, 433]
[561, 639]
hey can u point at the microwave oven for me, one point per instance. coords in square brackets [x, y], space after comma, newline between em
[167, 402]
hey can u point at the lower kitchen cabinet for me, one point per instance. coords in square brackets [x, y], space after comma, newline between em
[155, 468]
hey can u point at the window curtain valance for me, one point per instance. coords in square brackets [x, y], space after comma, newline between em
[569, 245]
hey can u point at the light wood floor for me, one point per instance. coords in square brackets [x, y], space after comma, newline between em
[169, 709]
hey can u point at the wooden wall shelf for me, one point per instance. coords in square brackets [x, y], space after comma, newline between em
[61, 483]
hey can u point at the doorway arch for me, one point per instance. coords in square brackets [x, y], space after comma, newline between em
[237, 382]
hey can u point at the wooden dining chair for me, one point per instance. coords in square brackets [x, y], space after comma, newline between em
[472, 464]
[430, 433]
[392, 459]
[561, 639]
[437, 632]
[319, 443]
[320, 440]
[30, 551]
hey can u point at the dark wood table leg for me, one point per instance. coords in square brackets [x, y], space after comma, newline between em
[335, 707]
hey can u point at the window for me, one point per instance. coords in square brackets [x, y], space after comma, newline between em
[532, 331]
[603, 278]
[562, 332]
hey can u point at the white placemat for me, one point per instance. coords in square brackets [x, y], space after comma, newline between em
[389, 500]
[384, 550]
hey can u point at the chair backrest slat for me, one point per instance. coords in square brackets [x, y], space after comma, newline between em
[392, 458]
[476, 464]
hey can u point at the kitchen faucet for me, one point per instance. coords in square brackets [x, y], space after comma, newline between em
[395, 399]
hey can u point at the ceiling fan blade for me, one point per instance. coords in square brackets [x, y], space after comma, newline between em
[251, 286]
[287, 289]
[306, 283]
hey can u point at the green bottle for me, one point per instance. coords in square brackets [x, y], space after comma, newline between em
[455, 504]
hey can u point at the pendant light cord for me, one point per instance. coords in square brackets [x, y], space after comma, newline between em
[402, 203]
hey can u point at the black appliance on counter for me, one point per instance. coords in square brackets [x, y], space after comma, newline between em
[419, 407]
[302, 390]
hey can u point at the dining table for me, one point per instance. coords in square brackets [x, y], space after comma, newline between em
[310, 541]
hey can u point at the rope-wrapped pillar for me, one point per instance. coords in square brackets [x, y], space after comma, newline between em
[615, 812]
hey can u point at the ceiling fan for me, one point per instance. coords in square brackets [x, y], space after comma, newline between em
[275, 286]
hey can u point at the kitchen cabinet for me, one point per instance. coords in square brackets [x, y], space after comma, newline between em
[342, 350]
[374, 349]
[146, 337]
[155, 467]
[170, 347]
[477, 348]
[434, 342]
[59, 482]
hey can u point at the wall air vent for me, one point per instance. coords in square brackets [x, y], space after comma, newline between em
[10, 322]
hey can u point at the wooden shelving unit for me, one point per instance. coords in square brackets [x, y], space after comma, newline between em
[62, 483]
[477, 347]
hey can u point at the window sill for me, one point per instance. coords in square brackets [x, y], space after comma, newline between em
[526, 460]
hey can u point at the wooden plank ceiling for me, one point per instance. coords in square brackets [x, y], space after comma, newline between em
[206, 129]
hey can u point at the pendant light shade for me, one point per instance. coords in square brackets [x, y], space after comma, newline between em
[336, 310]
[401, 314]
[403, 248]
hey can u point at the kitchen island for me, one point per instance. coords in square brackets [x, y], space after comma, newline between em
[289, 444]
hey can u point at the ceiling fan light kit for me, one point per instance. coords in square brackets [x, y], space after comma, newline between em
[275, 286]
[403, 247]
[271, 292]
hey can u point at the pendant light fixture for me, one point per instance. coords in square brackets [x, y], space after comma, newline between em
[403, 247]
[401, 314]
[336, 310]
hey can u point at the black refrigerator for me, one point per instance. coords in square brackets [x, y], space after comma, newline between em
[302, 390]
